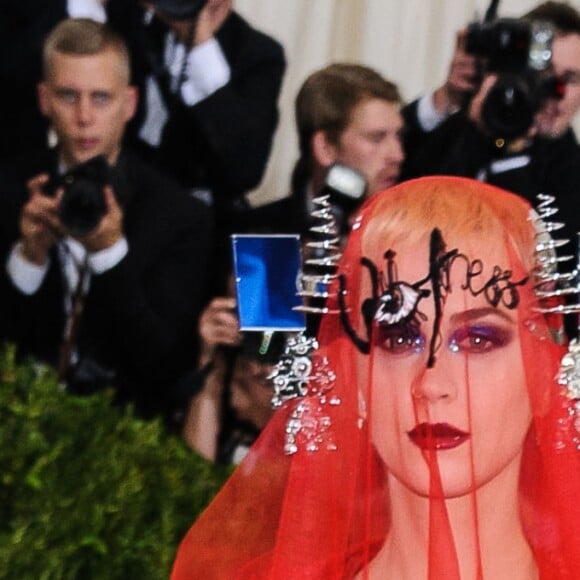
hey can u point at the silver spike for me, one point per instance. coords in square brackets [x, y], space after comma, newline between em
[552, 284]
[549, 283]
[320, 267]
[303, 373]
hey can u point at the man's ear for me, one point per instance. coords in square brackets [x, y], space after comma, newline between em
[42, 96]
[323, 151]
[132, 100]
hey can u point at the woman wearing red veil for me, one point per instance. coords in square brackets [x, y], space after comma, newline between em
[437, 436]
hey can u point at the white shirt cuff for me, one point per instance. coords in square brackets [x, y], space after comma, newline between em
[428, 116]
[207, 71]
[93, 9]
[25, 275]
[103, 260]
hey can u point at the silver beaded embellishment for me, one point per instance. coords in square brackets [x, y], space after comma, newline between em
[569, 378]
[305, 375]
[302, 373]
[292, 373]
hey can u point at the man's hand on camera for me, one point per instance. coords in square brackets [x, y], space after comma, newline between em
[194, 32]
[40, 226]
[460, 80]
[183, 29]
[110, 228]
[210, 19]
[218, 325]
[476, 103]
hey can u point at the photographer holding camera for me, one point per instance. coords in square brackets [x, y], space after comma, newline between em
[103, 269]
[210, 84]
[504, 113]
[233, 402]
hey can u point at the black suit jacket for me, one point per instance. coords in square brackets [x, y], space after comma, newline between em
[24, 25]
[458, 147]
[140, 317]
[223, 142]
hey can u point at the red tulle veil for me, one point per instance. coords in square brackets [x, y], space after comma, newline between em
[326, 511]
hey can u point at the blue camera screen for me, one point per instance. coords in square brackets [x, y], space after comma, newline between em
[267, 270]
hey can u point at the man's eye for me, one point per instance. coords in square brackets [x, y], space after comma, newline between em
[376, 138]
[399, 339]
[102, 98]
[479, 339]
[67, 96]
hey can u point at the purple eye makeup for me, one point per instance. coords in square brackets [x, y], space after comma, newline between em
[479, 338]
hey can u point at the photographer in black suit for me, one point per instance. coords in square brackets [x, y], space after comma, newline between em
[210, 85]
[447, 132]
[113, 304]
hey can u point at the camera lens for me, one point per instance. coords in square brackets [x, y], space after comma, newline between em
[82, 206]
[509, 107]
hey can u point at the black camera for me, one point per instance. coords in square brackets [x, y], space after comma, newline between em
[83, 203]
[180, 9]
[520, 52]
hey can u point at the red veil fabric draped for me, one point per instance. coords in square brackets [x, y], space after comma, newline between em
[328, 513]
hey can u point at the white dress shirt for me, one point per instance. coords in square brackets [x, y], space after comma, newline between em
[204, 71]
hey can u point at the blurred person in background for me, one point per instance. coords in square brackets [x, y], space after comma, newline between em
[347, 114]
[448, 132]
[112, 303]
[210, 84]
[234, 400]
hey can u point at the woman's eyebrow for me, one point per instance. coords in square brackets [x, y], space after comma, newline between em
[476, 313]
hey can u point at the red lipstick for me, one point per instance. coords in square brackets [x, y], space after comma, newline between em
[438, 436]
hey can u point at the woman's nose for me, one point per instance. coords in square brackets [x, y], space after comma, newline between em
[438, 383]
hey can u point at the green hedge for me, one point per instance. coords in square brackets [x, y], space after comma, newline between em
[88, 491]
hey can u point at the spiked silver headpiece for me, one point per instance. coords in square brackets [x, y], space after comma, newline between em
[559, 293]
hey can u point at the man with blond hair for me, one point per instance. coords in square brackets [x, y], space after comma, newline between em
[114, 303]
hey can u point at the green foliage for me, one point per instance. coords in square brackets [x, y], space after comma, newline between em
[88, 491]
